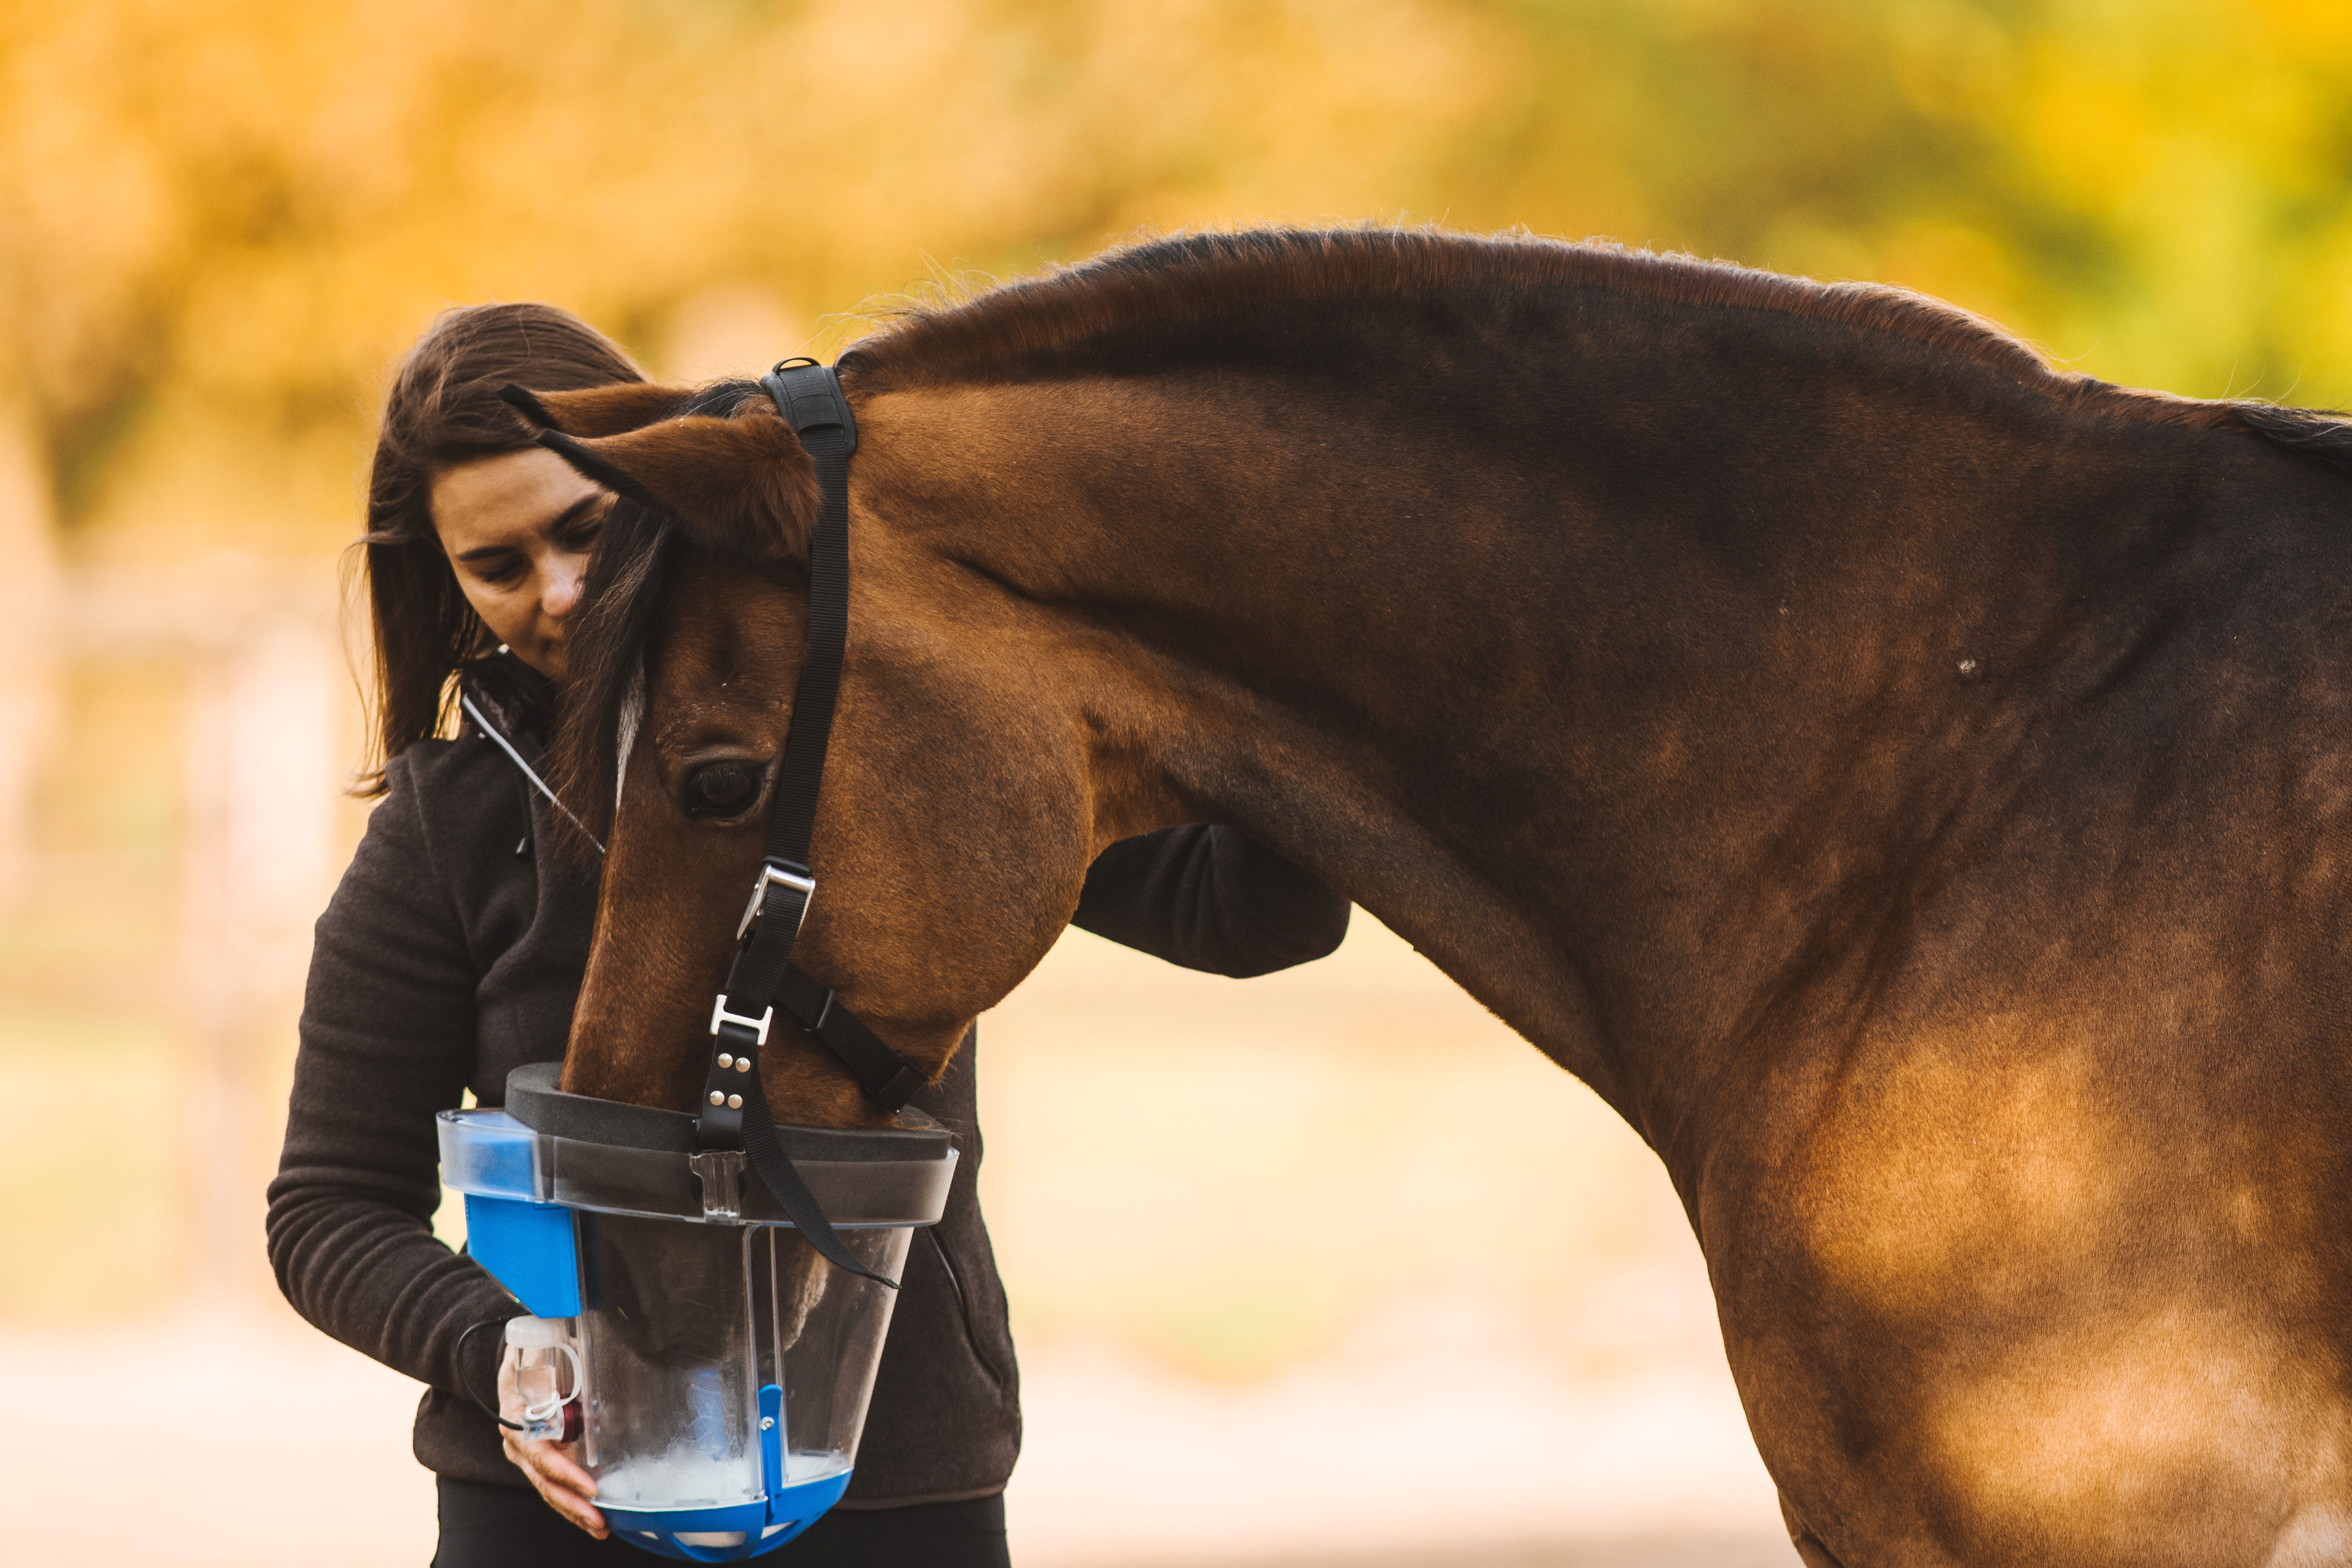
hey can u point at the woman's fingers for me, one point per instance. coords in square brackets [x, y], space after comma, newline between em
[559, 1478]
[562, 1483]
[560, 1467]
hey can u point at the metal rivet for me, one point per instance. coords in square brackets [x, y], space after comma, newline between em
[725, 1060]
[742, 1064]
[767, 1423]
[734, 1101]
[716, 1098]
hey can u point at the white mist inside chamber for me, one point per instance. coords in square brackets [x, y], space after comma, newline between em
[685, 1477]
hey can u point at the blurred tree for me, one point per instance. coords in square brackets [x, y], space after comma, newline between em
[2156, 189]
[221, 219]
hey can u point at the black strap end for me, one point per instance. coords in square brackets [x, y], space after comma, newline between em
[904, 1085]
[719, 1128]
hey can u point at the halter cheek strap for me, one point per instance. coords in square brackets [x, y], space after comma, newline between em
[734, 1110]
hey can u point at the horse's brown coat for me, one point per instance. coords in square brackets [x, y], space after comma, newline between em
[1909, 784]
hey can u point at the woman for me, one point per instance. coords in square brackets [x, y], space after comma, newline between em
[453, 952]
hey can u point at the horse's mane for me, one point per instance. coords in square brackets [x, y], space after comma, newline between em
[1115, 312]
[1081, 318]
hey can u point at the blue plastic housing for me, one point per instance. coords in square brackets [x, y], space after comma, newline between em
[528, 1246]
[531, 1248]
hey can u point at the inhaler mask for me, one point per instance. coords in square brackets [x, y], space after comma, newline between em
[713, 1368]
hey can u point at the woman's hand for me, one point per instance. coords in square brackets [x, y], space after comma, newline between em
[549, 1468]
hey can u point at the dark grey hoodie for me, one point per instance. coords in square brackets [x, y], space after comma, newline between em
[452, 953]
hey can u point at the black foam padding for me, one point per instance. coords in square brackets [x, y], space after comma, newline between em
[533, 1099]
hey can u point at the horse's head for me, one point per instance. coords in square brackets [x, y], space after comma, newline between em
[956, 821]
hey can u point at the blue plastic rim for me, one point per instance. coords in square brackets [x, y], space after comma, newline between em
[765, 1526]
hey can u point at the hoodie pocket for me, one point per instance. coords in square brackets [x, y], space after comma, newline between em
[989, 1363]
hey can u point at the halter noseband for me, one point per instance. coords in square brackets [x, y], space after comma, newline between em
[734, 1113]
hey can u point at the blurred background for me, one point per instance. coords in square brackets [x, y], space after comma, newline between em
[1413, 1293]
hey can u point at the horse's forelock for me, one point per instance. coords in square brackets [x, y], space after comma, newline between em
[603, 705]
[631, 715]
[603, 698]
[724, 400]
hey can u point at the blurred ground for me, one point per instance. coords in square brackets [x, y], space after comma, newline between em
[279, 1449]
[1322, 1268]
[1428, 1297]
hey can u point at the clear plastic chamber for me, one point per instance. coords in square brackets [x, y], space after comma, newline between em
[682, 1326]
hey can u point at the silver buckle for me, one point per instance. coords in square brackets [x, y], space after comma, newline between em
[719, 1015]
[769, 873]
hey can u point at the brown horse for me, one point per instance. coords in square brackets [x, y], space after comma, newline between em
[1909, 784]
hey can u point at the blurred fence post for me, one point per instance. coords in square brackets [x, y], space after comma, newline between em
[29, 669]
[257, 846]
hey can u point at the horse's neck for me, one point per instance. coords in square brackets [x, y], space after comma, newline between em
[1597, 708]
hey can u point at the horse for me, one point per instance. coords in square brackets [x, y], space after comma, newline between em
[1907, 782]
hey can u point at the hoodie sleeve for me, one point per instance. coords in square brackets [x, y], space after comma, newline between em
[1211, 899]
[387, 1039]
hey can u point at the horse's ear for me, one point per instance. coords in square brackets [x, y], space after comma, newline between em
[744, 486]
[596, 410]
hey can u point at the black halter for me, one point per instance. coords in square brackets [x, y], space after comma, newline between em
[734, 1108]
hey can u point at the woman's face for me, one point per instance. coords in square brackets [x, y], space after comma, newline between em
[519, 530]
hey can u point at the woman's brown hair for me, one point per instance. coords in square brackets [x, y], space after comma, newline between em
[444, 410]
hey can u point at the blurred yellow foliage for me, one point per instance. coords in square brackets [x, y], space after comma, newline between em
[220, 219]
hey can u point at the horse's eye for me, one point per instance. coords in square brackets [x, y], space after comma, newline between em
[722, 789]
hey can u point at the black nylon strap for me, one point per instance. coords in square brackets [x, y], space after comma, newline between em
[889, 1080]
[766, 1152]
[809, 397]
[734, 1110]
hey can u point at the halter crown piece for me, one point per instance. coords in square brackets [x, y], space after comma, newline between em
[734, 1112]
